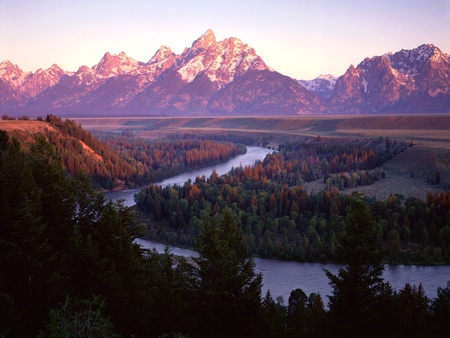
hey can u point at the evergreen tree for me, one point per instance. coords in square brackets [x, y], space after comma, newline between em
[59, 238]
[171, 294]
[440, 312]
[273, 316]
[229, 289]
[412, 314]
[356, 303]
[315, 316]
[296, 314]
[30, 264]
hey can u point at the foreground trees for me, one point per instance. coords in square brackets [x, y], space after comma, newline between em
[229, 289]
[59, 239]
[61, 243]
[358, 301]
[68, 264]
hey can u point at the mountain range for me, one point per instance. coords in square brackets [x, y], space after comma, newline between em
[227, 78]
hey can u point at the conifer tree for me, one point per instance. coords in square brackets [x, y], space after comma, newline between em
[356, 302]
[229, 289]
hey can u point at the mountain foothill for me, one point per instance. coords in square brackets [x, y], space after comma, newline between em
[228, 78]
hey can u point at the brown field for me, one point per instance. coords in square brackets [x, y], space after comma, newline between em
[25, 126]
[405, 174]
[417, 128]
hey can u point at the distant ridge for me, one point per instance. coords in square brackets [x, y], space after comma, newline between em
[227, 78]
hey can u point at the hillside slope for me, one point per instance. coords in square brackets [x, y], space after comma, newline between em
[79, 150]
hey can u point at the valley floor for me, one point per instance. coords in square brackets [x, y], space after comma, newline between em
[406, 174]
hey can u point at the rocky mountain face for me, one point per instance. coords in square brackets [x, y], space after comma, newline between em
[227, 78]
[210, 77]
[409, 81]
[18, 88]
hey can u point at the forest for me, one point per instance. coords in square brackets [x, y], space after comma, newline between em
[69, 265]
[122, 161]
[171, 156]
[280, 219]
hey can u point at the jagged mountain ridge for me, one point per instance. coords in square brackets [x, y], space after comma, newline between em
[210, 77]
[227, 78]
[408, 81]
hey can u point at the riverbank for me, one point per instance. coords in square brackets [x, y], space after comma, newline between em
[252, 155]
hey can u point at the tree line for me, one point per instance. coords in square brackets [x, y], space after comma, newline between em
[123, 161]
[342, 163]
[288, 222]
[171, 156]
[69, 267]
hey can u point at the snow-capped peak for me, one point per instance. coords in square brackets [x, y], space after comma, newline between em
[328, 77]
[113, 65]
[53, 71]
[83, 69]
[220, 61]
[43, 79]
[325, 81]
[410, 61]
[205, 41]
[162, 53]
[12, 73]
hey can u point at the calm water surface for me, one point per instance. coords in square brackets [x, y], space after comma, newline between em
[252, 155]
[281, 277]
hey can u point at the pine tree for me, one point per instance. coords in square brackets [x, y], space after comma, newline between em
[356, 302]
[229, 289]
[296, 314]
[273, 315]
[412, 313]
[440, 312]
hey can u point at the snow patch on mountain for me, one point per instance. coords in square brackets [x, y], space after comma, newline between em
[161, 55]
[12, 73]
[322, 85]
[114, 65]
[192, 68]
[364, 82]
[323, 81]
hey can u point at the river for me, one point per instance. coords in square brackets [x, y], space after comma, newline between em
[281, 277]
[252, 155]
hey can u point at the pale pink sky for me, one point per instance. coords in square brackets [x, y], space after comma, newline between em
[302, 39]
